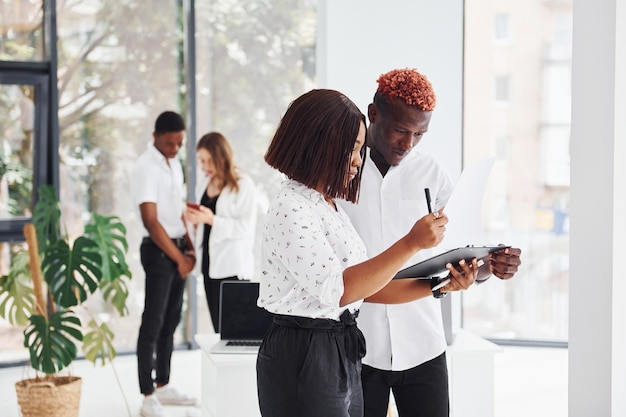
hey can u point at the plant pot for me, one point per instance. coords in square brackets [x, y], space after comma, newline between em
[51, 396]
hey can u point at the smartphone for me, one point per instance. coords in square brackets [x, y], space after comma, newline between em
[194, 206]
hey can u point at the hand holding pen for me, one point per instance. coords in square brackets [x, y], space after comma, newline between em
[429, 204]
[438, 283]
[428, 231]
[460, 277]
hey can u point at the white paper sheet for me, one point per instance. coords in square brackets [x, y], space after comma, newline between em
[464, 208]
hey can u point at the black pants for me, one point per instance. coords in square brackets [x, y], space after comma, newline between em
[419, 392]
[311, 368]
[212, 289]
[161, 315]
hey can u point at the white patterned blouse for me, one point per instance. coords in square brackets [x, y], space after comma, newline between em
[306, 246]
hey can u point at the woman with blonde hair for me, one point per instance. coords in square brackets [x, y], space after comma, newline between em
[227, 209]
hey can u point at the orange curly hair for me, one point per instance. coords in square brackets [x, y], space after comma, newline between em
[409, 86]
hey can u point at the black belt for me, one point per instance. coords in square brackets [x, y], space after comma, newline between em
[180, 242]
[355, 342]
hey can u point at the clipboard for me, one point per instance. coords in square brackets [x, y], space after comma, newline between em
[437, 264]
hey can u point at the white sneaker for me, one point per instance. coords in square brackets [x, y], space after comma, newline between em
[151, 407]
[169, 395]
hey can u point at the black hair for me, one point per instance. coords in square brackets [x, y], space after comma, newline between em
[314, 141]
[167, 122]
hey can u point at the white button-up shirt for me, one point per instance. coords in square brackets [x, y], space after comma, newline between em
[306, 246]
[153, 180]
[399, 336]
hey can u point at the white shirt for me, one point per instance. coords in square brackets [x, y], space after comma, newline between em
[306, 247]
[153, 180]
[400, 336]
[231, 242]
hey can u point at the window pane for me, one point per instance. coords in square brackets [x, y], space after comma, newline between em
[502, 89]
[253, 58]
[17, 115]
[21, 34]
[119, 68]
[527, 199]
[501, 29]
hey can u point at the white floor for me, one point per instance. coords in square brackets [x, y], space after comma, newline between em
[529, 382]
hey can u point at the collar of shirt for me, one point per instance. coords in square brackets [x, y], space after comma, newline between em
[158, 156]
[300, 188]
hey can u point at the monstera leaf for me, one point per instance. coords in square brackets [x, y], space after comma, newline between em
[46, 217]
[116, 292]
[110, 235]
[72, 273]
[98, 342]
[17, 300]
[51, 343]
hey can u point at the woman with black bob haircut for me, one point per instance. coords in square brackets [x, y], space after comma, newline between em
[314, 142]
[314, 268]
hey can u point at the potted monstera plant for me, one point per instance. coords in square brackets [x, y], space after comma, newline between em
[46, 290]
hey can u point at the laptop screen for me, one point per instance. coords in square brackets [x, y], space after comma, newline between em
[240, 317]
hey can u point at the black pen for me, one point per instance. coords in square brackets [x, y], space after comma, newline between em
[427, 192]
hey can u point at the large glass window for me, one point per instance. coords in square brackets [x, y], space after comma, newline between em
[119, 67]
[24, 141]
[527, 200]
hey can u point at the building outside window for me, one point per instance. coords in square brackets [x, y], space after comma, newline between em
[527, 198]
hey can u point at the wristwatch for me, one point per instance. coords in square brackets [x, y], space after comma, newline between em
[436, 293]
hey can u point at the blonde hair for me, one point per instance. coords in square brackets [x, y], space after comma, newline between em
[216, 144]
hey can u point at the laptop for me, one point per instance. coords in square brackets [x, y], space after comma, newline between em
[242, 323]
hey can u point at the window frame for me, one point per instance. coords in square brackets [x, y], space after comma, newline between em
[36, 75]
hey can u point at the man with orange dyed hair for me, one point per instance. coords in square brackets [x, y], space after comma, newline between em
[405, 342]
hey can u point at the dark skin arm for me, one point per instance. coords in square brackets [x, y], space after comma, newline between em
[184, 261]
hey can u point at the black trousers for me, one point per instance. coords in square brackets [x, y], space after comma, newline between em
[311, 368]
[419, 392]
[161, 314]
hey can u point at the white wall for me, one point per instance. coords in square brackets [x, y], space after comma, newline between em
[597, 339]
[360, 39]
